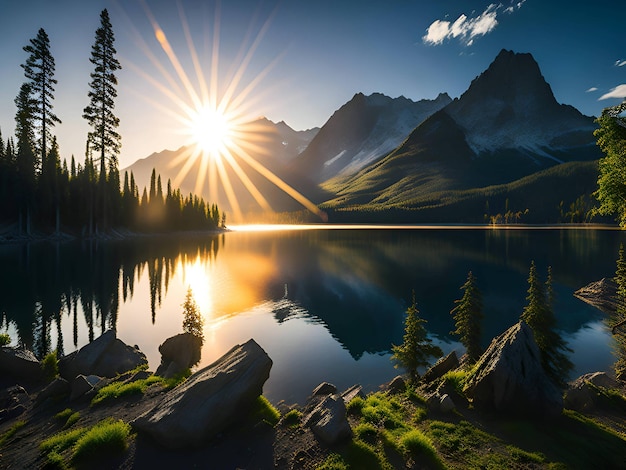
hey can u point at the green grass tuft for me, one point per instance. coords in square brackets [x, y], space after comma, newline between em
[104, 438]
[5, 339]
[266, 411]
[355, 406]
[61, 441]
[334, 462]
[55, 461]
[292, 418]
[177, 379]
[68, 417]
[525, 457]
[416, 443]
[50, 366]
[456, 379]
[11, 432]
[120, 389]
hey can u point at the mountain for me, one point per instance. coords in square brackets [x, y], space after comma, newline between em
[506, 126]
[273, 145]
[361, 131]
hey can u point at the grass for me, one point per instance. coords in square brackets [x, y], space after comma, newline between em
[104, 438]
[121, 389]
[68, 417]
[5, 339]
[50, 366]
[292, 418]
[11, 432]
[456, 379]
[265, 411]
[417, 444]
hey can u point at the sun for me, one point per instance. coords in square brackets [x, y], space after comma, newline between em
[210, 130]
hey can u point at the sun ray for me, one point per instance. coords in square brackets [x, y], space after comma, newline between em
[247, 182]
[228, 189]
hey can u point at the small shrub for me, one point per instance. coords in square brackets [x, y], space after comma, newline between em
[417, 444]
[292, 418]
[50, 366]
[355, 406]
[456, 379]
[104, 438]
[266, 411]
[5, 339]
[11, 432]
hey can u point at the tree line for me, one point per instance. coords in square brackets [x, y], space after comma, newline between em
[40, 191]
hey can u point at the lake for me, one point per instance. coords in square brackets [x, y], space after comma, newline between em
[325, 302]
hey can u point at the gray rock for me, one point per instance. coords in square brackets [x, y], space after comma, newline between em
[83, 384]
[209, 400]
[352, 392]
[324, 389]
[509, 377]
[397, 385]
[13, 402]
[106, 356]
[443, 365]
[57, 389]
[329, 421]
[446, 404]
[20, 364]
[178, 353]
[583, 394]
[601, 294]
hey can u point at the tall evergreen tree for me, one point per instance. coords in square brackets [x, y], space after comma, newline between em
[417, 347]
[39, 70]
[103, 139]
[539, 315]
[468, 317]
[618, 319]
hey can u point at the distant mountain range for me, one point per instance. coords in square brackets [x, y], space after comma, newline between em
[427, 159]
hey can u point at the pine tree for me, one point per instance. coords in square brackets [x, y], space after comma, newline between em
[39, 70]
[538, 314]
[619, 317]
[416, 347]
[192, 321]
[467, 318]
[103, 139]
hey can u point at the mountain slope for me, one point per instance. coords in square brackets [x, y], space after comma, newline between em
[273, 146]
[361, 131]
[506, 126]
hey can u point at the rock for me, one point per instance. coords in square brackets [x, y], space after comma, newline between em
[601, 294]
[329, 421]
[179, 353]
[443, 365]
[397, 385]
[57, 389]
[351, 393]
[13, 402]
[106, 356]
[583, 393]
[324, 389]
[209, 400]
[509, 377]
[83, 384]
[20, 364]
[446, 404]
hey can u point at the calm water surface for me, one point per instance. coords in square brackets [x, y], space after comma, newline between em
[326, 304]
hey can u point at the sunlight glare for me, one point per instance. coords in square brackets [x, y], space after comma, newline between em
[196, 277]
[210, 130]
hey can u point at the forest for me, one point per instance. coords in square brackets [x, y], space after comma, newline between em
[42, 194]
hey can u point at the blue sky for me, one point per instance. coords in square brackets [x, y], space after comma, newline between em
[301, 60]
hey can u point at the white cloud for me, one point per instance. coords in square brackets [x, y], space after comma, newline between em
[466, 28]
[618, 92]
[620, 63]
[593, 88]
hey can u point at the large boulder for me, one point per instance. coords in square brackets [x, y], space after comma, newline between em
[443, 365]
[601, 294]
[329, 421]
[178, 353]
[509, 377]
[106, 356]
[209, 400]
[20, 364]
[586, 392]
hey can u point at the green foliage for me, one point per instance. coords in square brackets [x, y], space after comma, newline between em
[192, 321]
[176, 379]
[468, 318]
[524, 457]
[50, 366]
[120, 389]
[67, 417]
[292, 418]
[619, 317]
[11, 432]
[355, 406]
[334, 462]
[539, 316]
[611, 192]
[265, 411]
[5, 339]
[416, 443]
[417, 347]
[456, 378]
[55, 461]
[61, 441]
[381, 410]
[105, 438]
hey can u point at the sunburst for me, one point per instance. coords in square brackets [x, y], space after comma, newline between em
[218, 119]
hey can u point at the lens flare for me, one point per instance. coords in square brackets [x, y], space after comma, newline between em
[224, 137]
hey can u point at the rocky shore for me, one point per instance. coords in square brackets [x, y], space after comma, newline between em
[216, 415]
